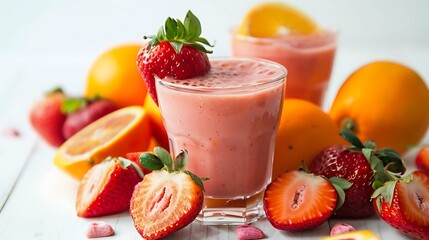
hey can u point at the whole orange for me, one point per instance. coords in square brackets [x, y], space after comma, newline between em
[386, 102]
[304, 131]
[114, 76]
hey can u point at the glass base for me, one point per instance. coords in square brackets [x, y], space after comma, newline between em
[231, 212]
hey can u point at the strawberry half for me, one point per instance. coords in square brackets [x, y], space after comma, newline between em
[107, 188]
[404, 204]
[298, 200]
[361, 164]
[422, 159]
[167, 199]
[176, 51]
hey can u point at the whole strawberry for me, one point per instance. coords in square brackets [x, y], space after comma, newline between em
[47, 118]
[362, 165]
[404, 204]
[176, 51]
[107, 188]
[81, 112]
[422, 159]
[169, 198]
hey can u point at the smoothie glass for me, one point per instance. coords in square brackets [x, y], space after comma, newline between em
[308, 58]
[227, 120]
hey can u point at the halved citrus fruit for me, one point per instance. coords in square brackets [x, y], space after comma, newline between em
[355, 235]
[157, 125]
[272, 18]
[125, 130]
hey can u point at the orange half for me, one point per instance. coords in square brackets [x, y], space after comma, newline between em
[125, 130]
[272, 19]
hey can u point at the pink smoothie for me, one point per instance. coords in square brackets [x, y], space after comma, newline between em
[308, 59]
[227, 120]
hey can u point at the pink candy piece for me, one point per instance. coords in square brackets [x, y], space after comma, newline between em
[248, 232]
[98, 229]
[340, 228]
[10, 132]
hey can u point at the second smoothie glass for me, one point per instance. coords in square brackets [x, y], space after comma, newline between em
[229, 132]
[308, 58]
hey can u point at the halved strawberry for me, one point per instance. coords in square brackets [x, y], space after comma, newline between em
[176, 51]
[135, 157]
[404, 204]
[107, 188]
[166, 200]
[298, 200]
[422, 159]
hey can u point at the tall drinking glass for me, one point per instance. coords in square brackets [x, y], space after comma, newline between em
[308, 58]
[227, 120]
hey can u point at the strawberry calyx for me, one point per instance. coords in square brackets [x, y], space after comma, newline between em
[386, 192]
[340, 184]
[125, 163]
[386, 163]
[162, 160]
[179, 33]
[74, 104]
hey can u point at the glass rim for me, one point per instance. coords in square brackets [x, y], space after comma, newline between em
[275, 80]
[323, 32]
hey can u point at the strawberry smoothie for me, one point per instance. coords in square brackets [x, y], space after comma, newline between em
[227, 120]
[309, 60]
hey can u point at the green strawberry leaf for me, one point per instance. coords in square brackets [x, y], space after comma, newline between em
[341, 182]
[192, 26]
[351, 138]
[170, 28]
[151, 161]
[165, 158]
[196, 179]
[370, 145]
[71, 105]
[177, 46]
[367, 152]
[388, 190]
[125, 163]
[54, 90]
[181, 161]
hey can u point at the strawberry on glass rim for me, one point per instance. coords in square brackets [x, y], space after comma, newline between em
[177, 51]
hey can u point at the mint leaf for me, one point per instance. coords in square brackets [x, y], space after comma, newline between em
[150, 161]
[181, 161]
[165, 158]
[192, 26]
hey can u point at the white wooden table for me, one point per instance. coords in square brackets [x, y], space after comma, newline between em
[37, 199]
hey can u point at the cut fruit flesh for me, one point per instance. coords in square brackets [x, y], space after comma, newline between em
[272, 19]
[414, 199]
[125, 130]
[297, 197]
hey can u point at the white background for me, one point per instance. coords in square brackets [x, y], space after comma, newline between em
[65, 32]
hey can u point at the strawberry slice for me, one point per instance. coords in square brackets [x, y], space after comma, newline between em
[166, 200]
[107, 188]
[298, 200]
[404, 204]
[176, 51]
[422, 159]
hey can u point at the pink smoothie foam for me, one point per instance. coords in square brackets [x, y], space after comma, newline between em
[227, 120]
